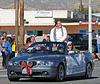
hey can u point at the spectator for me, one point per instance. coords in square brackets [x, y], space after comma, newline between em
[8, 50]
[13, 45]
[93, 34]
[58, 33]
[98, 43]
[28, 43]
[44, 40]
[68, 38]
[48, 39]
[3, 52]
[33, 40]
[4, 36]
[0, 39]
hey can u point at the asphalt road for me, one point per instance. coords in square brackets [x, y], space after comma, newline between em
[76, 80]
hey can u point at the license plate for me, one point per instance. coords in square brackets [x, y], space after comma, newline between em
[24, 71]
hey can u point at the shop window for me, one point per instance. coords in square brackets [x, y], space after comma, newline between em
[40, 33]
[47, 32]
[30, 33]
[83, 31]
[11, 32]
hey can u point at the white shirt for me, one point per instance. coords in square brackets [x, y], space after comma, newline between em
[98, 40]
[59, 37]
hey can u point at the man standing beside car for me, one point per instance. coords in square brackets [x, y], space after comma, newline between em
[8, 50]
[58, 33]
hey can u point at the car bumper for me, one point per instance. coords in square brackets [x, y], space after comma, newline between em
[38, 72]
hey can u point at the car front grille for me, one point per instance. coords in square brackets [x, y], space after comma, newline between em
[27, 62]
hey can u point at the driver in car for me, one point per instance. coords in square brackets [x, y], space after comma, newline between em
[70, 47]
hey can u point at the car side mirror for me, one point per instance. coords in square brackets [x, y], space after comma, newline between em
[22, 51]
[71, 52]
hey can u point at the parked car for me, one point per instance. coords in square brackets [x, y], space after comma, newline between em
[50, 60]
[80, 41]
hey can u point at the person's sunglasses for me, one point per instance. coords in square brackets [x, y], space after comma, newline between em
[69, 45]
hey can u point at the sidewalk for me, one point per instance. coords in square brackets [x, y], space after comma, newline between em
[0, 61]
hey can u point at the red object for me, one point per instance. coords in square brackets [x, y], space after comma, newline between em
[87, 22]
[28, 67]
[95, 56]
[31, 37]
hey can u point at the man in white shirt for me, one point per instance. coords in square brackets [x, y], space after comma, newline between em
[58, 33]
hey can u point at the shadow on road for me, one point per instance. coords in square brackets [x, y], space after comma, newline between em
[51, 80]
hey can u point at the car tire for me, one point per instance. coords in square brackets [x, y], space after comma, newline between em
[60, 73]
[88, 73]
[94, 48]
[13, 79]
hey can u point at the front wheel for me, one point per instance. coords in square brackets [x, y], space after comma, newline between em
[60, 73]
[13, 79]
[94, 48]
[88, 73]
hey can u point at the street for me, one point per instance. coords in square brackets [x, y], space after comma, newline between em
[95, 78]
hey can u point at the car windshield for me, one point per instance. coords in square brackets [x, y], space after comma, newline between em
[47, 47]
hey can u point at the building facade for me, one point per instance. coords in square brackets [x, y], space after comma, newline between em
[43, 21]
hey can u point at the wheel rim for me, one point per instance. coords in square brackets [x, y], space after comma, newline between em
[89, 71]
[61, 72]
[93, 49]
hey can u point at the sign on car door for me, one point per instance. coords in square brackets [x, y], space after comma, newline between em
[75, 64]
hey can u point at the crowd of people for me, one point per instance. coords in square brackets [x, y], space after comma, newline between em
[57, 34]
[8, 47]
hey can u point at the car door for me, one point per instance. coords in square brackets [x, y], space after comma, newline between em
[75, 64]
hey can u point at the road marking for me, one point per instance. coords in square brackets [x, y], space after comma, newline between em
[3, 70]
[3, 75]
[96, 67]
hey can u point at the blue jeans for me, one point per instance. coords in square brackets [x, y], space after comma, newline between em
[98, 47]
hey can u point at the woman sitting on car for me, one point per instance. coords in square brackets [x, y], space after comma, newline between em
[70, 47]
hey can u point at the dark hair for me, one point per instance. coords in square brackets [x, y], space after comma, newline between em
[28, 40]
[8, 38]
[2, 38]
[56, 22]
[44, 40]
[4, 32]
[93, 30]
[48, 36]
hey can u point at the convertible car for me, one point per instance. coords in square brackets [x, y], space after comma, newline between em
[50, 60]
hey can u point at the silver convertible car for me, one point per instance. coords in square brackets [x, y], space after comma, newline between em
[50, 60]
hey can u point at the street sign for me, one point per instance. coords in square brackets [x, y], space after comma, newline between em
[87, 22]
[43, 13]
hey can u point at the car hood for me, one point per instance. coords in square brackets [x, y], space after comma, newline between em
[42, 57]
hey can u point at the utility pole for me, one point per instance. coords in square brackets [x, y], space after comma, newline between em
[81, 6]
[16, 22]
[21, 24]
[90, 27]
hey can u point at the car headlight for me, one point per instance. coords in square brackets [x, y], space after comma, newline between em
[45, 63]
[10, 63]
[13, 63]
